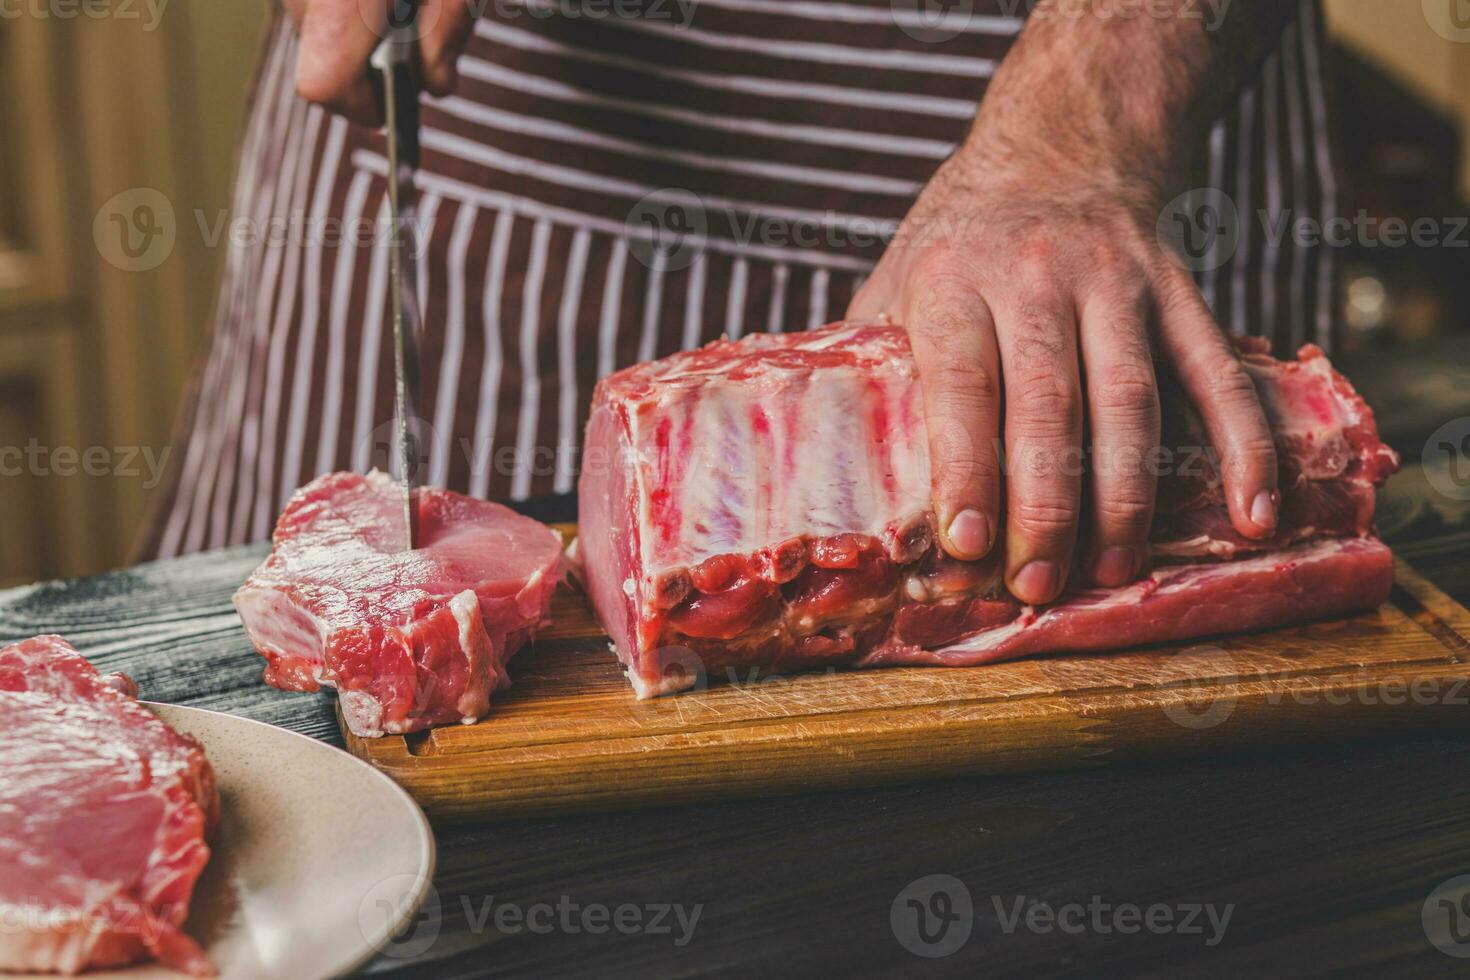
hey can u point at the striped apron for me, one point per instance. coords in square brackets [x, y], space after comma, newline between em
[605, 189]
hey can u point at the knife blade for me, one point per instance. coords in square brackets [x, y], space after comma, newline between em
[395, 61]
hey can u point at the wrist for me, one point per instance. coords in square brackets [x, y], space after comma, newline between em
[1117, 101]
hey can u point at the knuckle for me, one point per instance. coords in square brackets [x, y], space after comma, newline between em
[960, 456]
[1129, 394]
[1130, 511]
[1046, 402]
[947, 273]
[1045, 521]
[1112, 265]
[1231, 386]
[947, 301]
[973, 387]
[1256, 449]
[965, 470]
[1036, 258]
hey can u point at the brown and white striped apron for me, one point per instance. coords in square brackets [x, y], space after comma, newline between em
[784, 139]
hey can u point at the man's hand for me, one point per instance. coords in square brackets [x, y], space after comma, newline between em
[338, 36]
[1034, 289]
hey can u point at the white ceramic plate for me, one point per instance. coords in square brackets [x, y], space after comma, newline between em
[318, 858]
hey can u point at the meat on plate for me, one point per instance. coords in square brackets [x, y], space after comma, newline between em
[103, 816]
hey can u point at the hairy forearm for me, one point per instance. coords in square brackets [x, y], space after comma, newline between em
[1125, 88]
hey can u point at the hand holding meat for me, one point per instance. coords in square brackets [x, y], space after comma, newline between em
[1031, 280]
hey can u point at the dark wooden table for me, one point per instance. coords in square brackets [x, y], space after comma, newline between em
[1324, 855]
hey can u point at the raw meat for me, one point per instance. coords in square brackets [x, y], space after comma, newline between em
[103, 814]
[410, 639]
[765, 504]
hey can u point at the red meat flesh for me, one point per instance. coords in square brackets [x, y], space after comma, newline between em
[103, 814]
[410, 639]
[764, 504]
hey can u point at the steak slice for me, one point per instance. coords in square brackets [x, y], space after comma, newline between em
[410, 639]
[103, 814]
[764, 504]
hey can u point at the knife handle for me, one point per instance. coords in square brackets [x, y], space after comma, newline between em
[396, 78]
[400, 36]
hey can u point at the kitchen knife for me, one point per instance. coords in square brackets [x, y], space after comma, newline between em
[395, 61]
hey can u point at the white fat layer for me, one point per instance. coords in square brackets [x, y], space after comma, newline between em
[474, 701]
[645, 688]
[1201, 544]
[280, 626]
[363, 713]
[845, 450]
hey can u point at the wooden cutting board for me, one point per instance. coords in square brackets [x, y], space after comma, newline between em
[570, 736]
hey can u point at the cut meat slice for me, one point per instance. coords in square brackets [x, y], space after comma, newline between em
[410, 639]
[765, 504]
[103, 814]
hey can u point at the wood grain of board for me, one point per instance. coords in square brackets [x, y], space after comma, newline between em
[570, 736]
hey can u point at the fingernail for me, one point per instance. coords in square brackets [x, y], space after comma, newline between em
[970, 533]
[1038, 581]
[1114, 567]
[1263, 510]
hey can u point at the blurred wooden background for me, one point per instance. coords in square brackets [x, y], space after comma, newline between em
[95, 359]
